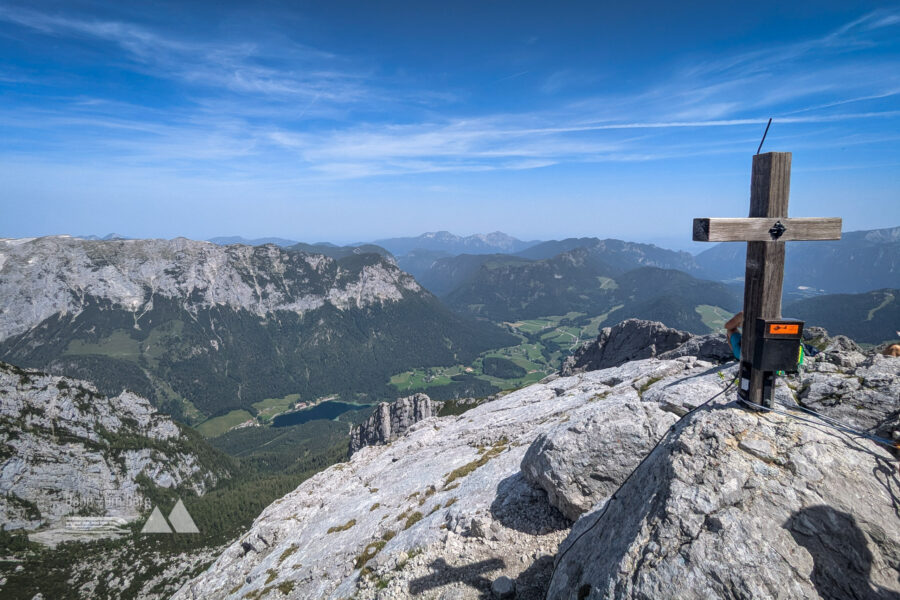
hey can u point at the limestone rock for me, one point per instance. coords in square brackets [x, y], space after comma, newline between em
[734, 504]
[634, 339]
[66, 449]
[712, 347]
[583, 462]
[60, 275]
[390, 421]
[865, 394]
[445, 509]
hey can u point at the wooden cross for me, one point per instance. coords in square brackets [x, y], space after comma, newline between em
[765, 231]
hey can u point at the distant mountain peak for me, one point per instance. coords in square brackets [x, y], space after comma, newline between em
[445, 241]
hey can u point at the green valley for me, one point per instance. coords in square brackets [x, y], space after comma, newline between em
[543, 344]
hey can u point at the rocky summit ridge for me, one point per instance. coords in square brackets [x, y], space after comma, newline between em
[643, 480]
[58, 274]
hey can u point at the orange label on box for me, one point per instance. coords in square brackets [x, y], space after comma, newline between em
[784, 328]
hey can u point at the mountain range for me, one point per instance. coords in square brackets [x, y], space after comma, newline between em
[203, 329]
[860, 261]
[872, 317]
[581, 281]
[207, 332]
[444, 241]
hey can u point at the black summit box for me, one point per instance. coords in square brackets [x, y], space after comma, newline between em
[777, 345]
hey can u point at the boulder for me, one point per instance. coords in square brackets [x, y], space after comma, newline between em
[736, 504]
[712, 348]
[584, 462]
[632, 339]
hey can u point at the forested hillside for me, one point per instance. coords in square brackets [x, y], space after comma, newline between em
[873, 317]
[203, 330]
[579, 281]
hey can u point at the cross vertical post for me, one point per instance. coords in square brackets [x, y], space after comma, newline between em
[766, 230]
[770, 187]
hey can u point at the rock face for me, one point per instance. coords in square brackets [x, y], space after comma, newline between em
[391, 420]
[634, 339]
[66, 449]
[59, 274]
[735, 504]
[731, 503]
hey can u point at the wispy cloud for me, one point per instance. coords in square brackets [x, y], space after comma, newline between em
[251, 105]
[290, 71]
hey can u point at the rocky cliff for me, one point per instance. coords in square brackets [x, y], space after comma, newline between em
[634, 339]
[479, 504]
[391, 420]
[66, 449]
[52, 275]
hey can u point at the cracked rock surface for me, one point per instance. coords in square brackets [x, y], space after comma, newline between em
[444, 511]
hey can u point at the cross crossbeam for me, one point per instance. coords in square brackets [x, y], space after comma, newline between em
[765, 230]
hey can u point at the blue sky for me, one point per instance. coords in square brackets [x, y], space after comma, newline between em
[350, 121]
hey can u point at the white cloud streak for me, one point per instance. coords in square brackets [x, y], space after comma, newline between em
[249, 111]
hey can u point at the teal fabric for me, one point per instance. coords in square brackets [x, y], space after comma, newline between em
[735, 340]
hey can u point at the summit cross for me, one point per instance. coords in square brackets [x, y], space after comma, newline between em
[766, 230]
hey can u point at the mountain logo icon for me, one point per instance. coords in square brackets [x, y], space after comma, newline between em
[180, 519]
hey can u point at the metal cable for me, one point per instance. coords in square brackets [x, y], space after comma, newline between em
[613, 497]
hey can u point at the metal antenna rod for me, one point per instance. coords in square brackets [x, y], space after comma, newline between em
[764, 135]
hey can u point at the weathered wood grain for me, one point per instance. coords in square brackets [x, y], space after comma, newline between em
[757, 229]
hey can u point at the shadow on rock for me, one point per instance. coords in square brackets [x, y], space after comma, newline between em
[442, 574]
[842, 561]
[533, 582]
[521, 507]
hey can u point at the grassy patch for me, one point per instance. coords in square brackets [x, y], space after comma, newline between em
[464, 470]
[647, 385]
[285, 587]
[413, 519]
[713, 317]
[119, 344]
[219, 425]
[369, 553]
[270, 407]
[287, 553]
[343, 527]
[596, 397]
